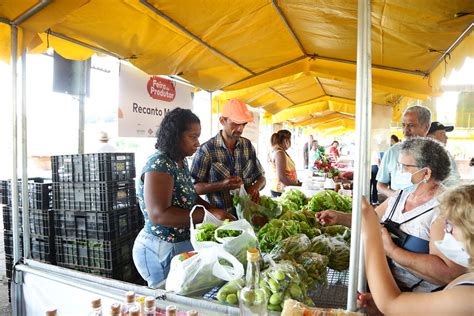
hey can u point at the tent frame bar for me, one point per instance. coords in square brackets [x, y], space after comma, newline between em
[288, 27]
[194, 37]
[28, 14]
[464, 34]
[72, 40]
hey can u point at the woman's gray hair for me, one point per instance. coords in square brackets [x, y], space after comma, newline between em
[429, 153]
[424, 114]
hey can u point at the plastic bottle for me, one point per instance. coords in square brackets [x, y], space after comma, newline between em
[114, 309]
[171, 310]
[96, 305]
[253, 299]
[129, 303]
[51, 312]
[150, 308]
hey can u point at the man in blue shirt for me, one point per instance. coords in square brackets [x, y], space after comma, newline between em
[228, 160]
[416, 121]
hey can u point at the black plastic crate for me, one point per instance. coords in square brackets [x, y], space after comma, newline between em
[42, 247]
[8, 243]
[124, 272]
[3, 191]
[95, 254]
[8, 266]
[94, 196]
[41, 221]
[8, 218]
[39, 193]
[96, 225]
[93, 167]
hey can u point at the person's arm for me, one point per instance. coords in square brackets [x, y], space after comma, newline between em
[280, 161]
[432, 267]
[385, 292]
[254, 189]
[305, 155]
[200, 173]
[384, 188]
[219, 213]
[230, 183]
[383, 175]
[332, 217]
[158, 191]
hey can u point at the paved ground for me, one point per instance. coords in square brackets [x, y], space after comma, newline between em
[5, 308]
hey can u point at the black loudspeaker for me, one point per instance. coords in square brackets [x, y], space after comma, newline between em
[68, 75]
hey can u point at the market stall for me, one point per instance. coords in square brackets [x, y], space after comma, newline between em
[290, 72]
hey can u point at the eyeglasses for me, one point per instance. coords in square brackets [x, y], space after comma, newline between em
[402, 166]
[448, 227]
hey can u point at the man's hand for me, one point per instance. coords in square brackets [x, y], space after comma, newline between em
[232, 183]
[388, 244]
[254, 192]
[328, 217]
[222, 215]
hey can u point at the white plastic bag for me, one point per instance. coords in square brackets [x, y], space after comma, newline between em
[236, 246]
[202, 271]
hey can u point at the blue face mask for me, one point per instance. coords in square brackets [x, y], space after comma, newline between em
[402, 181]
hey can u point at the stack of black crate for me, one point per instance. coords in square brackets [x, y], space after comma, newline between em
[41, 218]
[96, 213]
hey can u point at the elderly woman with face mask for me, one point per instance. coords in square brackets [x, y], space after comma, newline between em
[456, 208]
[410, 219]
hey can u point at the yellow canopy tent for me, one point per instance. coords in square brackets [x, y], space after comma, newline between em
[276, 55]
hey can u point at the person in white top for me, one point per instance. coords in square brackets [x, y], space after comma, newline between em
[105, 147]
[457, 244]
[411, 215]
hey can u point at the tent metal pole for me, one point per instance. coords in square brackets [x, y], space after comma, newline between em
[194, 37]
[16, 290]
[283, 17]
[28, 14]
[361, 170]
[452, 47]
[24, 159]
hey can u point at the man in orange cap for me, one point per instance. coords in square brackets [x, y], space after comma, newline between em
[228, 160]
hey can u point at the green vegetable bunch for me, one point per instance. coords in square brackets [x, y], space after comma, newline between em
[330, 200]
[276, 230]
[291, 247]
[315, 265]
[321, 244]
[339, 256]
[206, 232]
[293, 200]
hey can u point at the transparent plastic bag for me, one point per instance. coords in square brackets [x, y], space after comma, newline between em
[202, 271]
[291, 247]
[236, 246]
[254, 213]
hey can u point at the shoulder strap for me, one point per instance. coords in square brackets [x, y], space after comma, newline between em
[390, 215]
[409, 220]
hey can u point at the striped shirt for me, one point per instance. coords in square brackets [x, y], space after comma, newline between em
[214, 162]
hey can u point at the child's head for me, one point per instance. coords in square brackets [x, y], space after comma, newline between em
[457, 206]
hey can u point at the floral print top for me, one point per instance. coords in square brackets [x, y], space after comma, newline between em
[184, 195]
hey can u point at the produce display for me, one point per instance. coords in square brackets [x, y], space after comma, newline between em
[300, 248]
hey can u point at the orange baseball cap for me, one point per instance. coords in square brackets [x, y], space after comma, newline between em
[237, 112]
